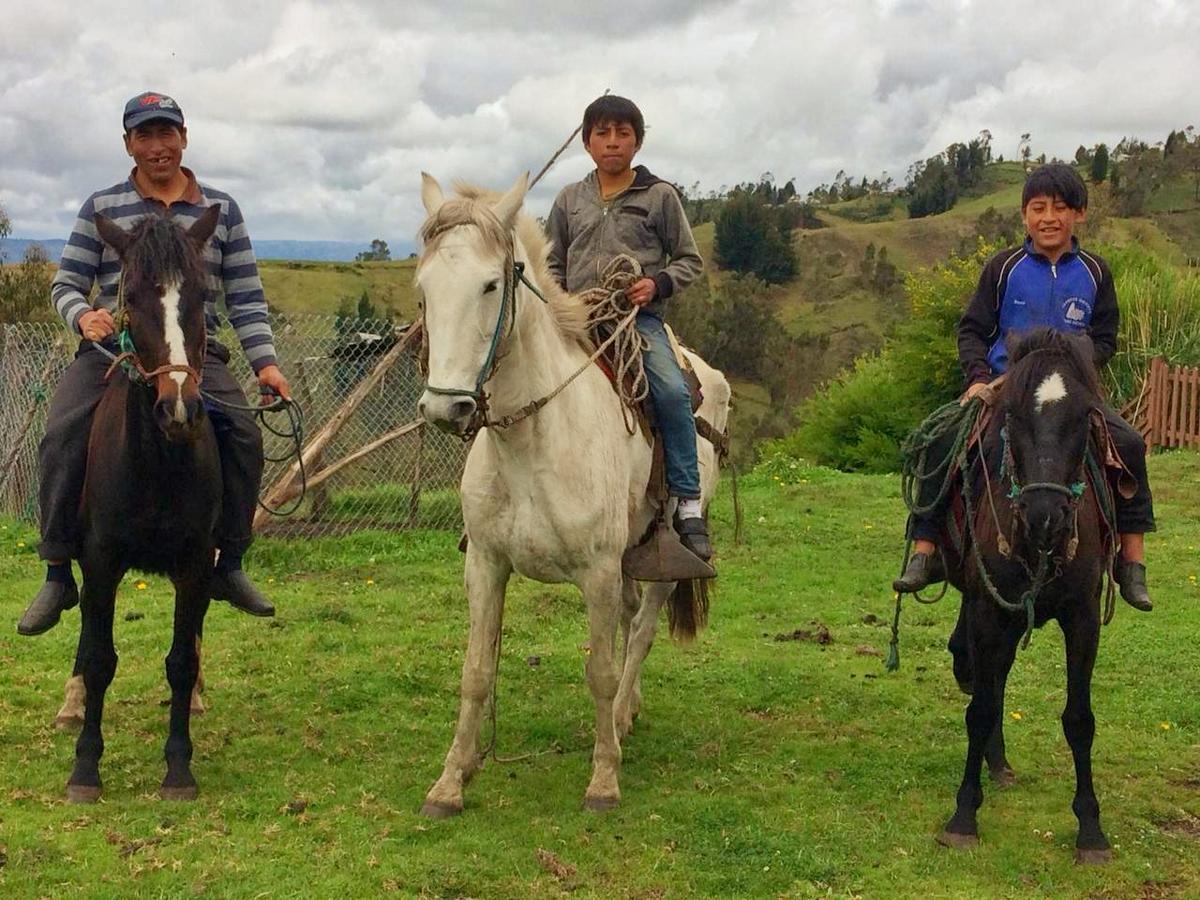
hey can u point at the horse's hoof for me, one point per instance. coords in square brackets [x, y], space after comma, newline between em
[68, 723]
[956, 841]
[83, 793]
[432, 809]
[601, 804]
[1092, 857]
[188, 792]
[1003, 778]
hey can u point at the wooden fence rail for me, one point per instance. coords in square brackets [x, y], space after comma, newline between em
[1167, 409]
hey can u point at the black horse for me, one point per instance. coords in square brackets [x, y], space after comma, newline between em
[152, 491]
[1036, 548]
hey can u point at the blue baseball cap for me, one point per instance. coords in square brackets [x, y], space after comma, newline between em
[151, 105]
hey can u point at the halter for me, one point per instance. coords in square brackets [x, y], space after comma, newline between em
[1016, 490]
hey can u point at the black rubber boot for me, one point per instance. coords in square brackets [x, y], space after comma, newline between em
[693, 534]
[1131, 578]
[47, 607]
[922, 570]
[236, 589]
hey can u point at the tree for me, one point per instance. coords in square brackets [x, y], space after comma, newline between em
[935, 189]
[752, 237]
[1140, 175]
[1100, 164]
[25, 287]
[1025, 150]
[379, 252]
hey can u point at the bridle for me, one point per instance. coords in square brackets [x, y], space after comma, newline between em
[128, 360]
[514, 273]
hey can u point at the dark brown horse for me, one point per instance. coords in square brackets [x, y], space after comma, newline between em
[1036, 548]
[152, 490]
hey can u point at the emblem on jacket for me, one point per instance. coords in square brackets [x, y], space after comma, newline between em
[1077, 312]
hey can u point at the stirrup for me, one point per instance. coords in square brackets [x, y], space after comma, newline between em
[661, 557]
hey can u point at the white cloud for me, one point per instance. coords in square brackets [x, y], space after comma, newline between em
[319, 117]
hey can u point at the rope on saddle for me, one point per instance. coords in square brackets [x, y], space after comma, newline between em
[952, 420]
[608, 306]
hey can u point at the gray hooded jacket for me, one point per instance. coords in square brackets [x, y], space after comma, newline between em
[646, 222]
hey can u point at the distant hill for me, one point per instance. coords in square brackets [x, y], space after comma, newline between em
[12, 250]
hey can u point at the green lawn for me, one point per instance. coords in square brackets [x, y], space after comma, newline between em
[760, 767]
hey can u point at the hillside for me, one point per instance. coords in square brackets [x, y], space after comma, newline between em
[294, 286]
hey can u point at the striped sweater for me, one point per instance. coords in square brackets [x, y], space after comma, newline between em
[229, 258]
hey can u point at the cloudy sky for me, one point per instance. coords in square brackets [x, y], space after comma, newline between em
[319, 116]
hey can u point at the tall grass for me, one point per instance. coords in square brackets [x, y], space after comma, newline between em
[1160, 316]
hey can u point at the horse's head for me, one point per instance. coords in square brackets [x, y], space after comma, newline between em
[1052, 389]
[163, 289]
[466, 279]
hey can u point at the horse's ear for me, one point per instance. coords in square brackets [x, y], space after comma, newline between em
[509, 205]
[431, 193]
[111, 233]
[202, 229]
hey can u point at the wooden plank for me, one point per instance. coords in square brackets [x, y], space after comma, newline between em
[289, 483]
[1193, 422]
[1185, 407]
[1172, 433]
[1155, 414]
[1176, 410]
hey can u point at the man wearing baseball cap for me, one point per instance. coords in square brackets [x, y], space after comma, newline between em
[155, 137]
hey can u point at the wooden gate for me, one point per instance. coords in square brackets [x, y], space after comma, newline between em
[1167, 409]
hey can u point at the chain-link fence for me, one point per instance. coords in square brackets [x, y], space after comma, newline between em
[410, 480]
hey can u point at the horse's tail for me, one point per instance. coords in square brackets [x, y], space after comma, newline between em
[687, 608]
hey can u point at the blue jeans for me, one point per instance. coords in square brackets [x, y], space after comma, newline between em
[672, 409]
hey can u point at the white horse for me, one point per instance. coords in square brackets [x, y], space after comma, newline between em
[558, 496]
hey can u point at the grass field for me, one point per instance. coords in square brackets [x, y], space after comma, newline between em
[318, 287]
[760, 766]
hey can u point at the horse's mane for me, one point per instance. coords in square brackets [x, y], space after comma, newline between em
[160, 245]
[1034, 354]
[473, 206]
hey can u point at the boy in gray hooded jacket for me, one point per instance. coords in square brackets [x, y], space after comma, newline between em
[618, 209]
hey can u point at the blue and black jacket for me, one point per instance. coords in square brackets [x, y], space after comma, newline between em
[1021, 289]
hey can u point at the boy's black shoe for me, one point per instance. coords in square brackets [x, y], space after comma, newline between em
[47, 607]
[236, 589]
[693, 534]
[922, 570]
[1131, 577]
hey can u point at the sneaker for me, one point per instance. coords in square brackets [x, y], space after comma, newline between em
[693, 534]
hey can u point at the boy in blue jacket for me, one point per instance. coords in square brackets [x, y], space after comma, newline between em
[1049, 281]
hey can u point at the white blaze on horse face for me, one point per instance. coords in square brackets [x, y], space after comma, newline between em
[173, 335]
[1051, 390]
